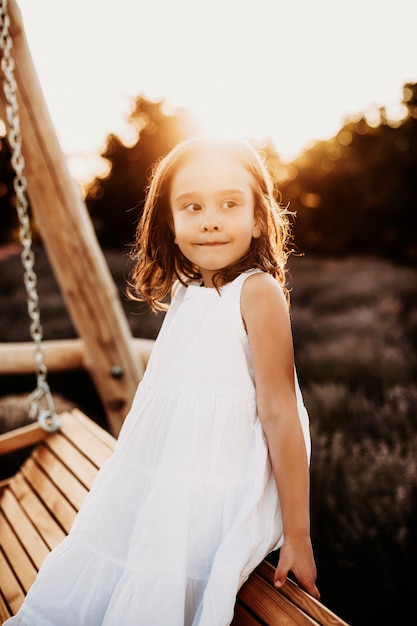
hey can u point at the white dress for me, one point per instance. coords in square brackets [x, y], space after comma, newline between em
[187, 506]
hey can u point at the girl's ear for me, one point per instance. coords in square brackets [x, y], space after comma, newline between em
[256, 231]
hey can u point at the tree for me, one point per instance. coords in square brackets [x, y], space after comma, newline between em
[357, 193]
[115, 201]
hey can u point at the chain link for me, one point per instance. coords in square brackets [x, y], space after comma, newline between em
[46, 416]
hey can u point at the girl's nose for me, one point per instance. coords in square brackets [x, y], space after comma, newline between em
[210, 226]
[210, 223]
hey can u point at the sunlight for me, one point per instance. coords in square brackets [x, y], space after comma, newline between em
[262, 69]
[252, 121]
[85, 167]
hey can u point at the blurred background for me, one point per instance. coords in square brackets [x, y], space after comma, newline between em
[327, 92]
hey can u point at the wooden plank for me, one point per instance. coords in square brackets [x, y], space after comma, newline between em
[5, 613]
[97, 449]
[47, 526]
[242, 617]
[60, 355]
[3, 484]
[78, 466]
[271, 606]
[21, 438]
[57, 474]
[68, 234]
[95, 429]
[22, 565]
[28, 535]
[75, 425]
[52, 498]
[298, 596]
[11, 590]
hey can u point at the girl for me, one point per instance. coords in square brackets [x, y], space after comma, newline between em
[211, 471]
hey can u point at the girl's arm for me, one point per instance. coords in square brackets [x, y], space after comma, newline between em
[266, 317]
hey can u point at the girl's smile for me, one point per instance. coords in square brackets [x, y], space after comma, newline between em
[213, 211]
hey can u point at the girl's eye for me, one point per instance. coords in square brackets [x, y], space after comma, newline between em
[192, 207]
[229, 204]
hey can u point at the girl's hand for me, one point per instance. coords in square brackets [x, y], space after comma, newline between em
[296, 555]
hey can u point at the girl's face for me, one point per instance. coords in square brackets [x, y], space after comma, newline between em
[213, 210]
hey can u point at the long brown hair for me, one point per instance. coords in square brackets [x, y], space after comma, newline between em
[159, 261]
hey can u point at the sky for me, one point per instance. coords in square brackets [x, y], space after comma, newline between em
[291, 70]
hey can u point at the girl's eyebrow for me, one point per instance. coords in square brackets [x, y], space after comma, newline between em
[221, 192]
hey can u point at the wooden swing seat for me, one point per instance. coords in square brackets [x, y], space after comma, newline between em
[38, 506]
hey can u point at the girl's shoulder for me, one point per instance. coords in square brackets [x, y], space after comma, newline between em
[260, 283]
[262, 292]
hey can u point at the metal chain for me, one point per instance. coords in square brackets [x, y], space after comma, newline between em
[41, 401]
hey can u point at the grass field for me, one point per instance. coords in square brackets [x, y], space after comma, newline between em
[355, 338]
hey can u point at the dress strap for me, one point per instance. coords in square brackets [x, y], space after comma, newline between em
[237, 283]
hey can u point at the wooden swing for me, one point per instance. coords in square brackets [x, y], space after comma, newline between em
[39, 503]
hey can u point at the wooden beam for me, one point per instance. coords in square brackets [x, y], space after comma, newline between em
[21, 437]
[60, 355]
[71, 243]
